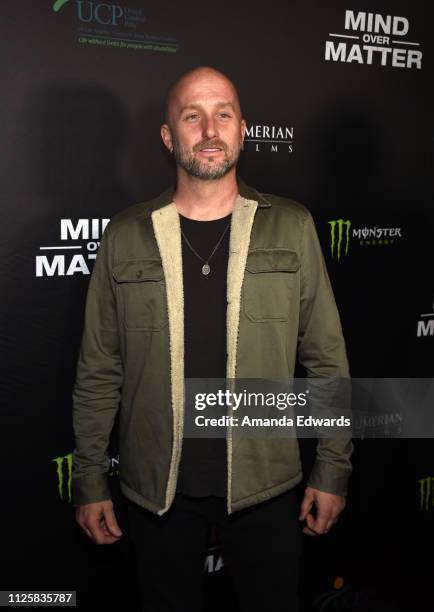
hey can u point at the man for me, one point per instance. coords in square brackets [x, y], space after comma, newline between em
[212, 279]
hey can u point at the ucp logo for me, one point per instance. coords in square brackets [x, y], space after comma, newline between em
[104, 14]
[58, 5]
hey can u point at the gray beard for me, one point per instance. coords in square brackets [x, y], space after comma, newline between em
[202, 170]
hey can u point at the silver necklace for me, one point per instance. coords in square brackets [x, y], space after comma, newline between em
[206, 269]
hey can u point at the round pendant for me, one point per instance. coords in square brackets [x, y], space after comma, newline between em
[206, 269]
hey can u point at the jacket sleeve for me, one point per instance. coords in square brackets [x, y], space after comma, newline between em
[322, 352]
[97, 388]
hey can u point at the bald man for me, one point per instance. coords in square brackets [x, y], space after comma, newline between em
[212, 279]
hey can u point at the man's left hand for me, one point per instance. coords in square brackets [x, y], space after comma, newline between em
[328, 509]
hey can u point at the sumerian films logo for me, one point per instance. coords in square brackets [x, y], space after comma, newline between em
[340, 236]
[426, 493]
[64, 474]
[270, 138]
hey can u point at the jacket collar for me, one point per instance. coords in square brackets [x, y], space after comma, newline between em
[252, 194]
[245, 191]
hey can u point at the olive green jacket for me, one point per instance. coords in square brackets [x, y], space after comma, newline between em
[279, 300]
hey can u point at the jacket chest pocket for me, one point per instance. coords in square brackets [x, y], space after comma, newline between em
[141, 294]
[269, 284]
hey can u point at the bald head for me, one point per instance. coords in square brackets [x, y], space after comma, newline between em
[206, 78]
[204, 128]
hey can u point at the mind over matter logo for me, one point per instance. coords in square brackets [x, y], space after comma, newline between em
[374, 39]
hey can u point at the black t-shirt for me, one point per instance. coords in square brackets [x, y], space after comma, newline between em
[203, 465]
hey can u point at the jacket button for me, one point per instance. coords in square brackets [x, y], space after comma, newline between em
[139, 273]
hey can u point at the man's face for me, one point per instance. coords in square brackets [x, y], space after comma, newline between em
[205, 128]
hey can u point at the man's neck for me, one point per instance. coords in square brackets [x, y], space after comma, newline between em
[205, 200]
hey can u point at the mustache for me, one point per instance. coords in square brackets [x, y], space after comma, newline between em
[210, 144]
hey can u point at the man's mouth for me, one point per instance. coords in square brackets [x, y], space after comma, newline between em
[210, 147]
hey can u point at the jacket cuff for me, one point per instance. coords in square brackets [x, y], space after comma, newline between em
[89, 489]
[329, 478]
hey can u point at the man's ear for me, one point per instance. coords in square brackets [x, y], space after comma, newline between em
[166, 136]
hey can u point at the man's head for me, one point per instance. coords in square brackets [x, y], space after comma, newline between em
[204, 127]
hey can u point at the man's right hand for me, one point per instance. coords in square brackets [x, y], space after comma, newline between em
[98, 522]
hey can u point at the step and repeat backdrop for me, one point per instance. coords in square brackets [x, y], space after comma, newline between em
[338, 99]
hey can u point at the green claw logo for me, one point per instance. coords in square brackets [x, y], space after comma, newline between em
[337, 227]
[60, 461]
[426, 490]
[58, 5]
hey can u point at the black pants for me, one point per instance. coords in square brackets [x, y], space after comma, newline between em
[260, 549]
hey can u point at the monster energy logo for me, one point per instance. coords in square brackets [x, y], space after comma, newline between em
[66, 460]
[60, 462]
[337, 227]
[426, 490]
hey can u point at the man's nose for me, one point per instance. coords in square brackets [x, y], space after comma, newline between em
[209, 127]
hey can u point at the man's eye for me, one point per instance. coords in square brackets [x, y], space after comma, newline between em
[192, 117]
[225, 115]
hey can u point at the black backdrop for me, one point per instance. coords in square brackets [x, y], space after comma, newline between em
[83, 87]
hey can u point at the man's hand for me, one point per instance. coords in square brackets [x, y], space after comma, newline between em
[328, 509]
[98, 522]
